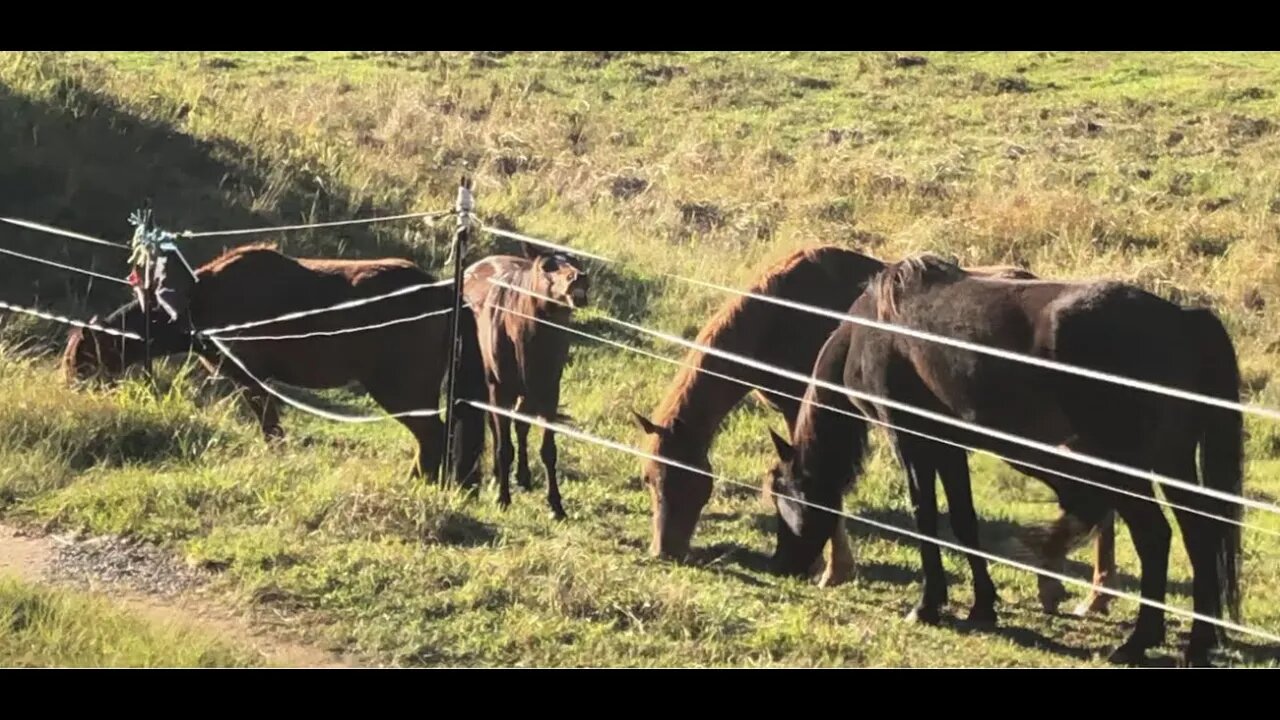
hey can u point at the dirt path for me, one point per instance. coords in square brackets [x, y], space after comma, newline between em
[43, 559]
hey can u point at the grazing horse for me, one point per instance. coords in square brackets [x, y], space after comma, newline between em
[401, 365]
[685, 422]
[523, 357]
[1105, 326]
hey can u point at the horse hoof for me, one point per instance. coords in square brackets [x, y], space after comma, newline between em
[983, 616]
[504, 503]
[1197, 659]
[835, 579]
[1097, 605]
[1050, 603]
[924, 615]
[1128, 655]
[559, 515]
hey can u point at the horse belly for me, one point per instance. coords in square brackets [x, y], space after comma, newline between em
[994, 393]
[315, 363]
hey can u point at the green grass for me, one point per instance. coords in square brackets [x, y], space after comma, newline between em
[54, 628]
[1160, 169]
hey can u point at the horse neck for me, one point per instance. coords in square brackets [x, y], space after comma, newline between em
[700, 406]
[830, 447]
[830, 444]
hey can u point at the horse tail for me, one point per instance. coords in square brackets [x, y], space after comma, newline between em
[1221, 445]
[468, 420]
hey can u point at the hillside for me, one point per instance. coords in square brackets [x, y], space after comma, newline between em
[1160, 169]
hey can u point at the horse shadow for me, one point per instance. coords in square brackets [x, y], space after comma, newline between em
[457, 529]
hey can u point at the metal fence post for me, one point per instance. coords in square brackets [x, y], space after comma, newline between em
[462, 237]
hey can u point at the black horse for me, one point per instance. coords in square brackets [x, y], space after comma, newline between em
[1104, 326]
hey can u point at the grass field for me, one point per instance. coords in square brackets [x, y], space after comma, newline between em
[44, 628]
[1160, 169]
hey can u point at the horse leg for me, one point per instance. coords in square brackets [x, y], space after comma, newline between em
[267, 410]
[1104, 568]
[428, 432]
[953, 467]
[262, 405]
[524, 477]
[840, 564]
[1052, 544]
[924, 503]
[553, 485]
[1200, 536]
[1151, 535]
[502, 455]
[387, 389]
[502, 451]
[431, 440]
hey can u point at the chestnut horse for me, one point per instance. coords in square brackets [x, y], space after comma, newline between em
[524, 358]
[687, 419]
[1105, 326]
[401, 365]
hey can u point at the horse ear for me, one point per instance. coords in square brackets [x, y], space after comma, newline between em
[647, 425]
[786, 453]
[529, 250]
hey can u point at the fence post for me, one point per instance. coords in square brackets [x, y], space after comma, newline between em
[462, 237]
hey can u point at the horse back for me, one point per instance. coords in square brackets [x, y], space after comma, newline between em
[1108, 326]
[504, 268]
[260, 282]
[359, 272]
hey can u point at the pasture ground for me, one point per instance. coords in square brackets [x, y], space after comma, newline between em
[1159, 169]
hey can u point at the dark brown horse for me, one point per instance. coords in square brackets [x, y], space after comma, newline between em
[524, 358]
[1105, 326]
[685, 423]
[401, 365]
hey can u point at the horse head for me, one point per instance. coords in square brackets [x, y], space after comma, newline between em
[562, 277]
[93, 352]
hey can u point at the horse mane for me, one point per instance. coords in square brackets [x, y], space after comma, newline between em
[910, 273]
[734, 322]
[525, 278]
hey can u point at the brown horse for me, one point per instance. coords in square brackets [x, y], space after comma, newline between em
[524, 358]
[401, 365]
[686, 421]
[1105, 326]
